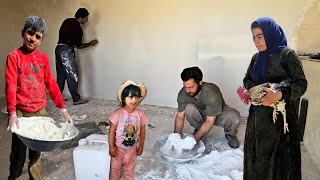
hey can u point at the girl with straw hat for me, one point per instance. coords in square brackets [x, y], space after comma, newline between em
[127, 130]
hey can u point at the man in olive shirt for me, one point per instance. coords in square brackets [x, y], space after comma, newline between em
[70, 37]
[203, 106]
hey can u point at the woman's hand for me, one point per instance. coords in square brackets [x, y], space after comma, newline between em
[271, 97]
[139, 150]
[113, 151]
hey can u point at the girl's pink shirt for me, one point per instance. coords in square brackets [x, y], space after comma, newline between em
[128, 126]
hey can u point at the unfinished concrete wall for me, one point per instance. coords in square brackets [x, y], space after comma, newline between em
[152, 41]
[312, 129]
[307, 37]
[307, 41]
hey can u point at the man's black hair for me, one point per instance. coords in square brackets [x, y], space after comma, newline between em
[36, 24]
[192, 73]
[81, 13]
[131, 89]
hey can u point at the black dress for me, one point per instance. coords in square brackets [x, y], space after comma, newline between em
[269, 154]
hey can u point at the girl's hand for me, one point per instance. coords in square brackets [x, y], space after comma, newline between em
[139, 150]
[113, 151]
[271, 97]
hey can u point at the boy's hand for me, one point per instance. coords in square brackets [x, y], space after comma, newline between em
[139, 150]
[113, 151]
[65, 115]
[13, 119]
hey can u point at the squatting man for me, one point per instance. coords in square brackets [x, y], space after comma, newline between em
[202, 105]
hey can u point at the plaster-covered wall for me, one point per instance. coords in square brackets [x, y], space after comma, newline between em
[312, 130]
[152, 41]
[307, 37]
[307, 41]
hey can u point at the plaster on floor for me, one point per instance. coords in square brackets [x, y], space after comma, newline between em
[59, 164]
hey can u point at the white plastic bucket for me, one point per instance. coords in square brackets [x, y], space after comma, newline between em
[91, 158]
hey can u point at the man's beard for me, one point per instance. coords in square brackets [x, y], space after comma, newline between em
[197, 92]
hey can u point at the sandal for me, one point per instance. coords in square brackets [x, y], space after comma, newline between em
[4, 110]
[80, 101]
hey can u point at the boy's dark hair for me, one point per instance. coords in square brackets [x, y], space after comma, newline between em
[36, 24]
[255, 24]
[81, 13]
[192, 73]
[131, 89]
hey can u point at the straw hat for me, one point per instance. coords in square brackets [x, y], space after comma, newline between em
[126, 84]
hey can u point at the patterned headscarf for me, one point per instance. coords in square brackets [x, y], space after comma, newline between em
[275, 40]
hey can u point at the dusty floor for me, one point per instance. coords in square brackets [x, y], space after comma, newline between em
[59, 164]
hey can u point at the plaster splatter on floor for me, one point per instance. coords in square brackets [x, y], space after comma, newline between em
[223, 164]
[79, 118]
[214, 166]
[58, 165]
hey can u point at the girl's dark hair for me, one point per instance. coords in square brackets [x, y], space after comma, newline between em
[192, 73]
[132, 90]
[36, 24]
[81, 13]
[255, 24]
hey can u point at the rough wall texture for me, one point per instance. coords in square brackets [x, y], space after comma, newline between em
[312, 130]
[307, 37]
[152, 41]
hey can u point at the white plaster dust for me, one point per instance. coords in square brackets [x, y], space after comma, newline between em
[175, 144]
[44, 128]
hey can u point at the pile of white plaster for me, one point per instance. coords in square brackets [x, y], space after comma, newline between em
[177, 145]
[44, 128]
[225, 165]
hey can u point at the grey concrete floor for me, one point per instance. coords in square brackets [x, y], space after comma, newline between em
[59, 164]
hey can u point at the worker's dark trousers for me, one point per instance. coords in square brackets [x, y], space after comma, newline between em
[18, 153]
[67, 69]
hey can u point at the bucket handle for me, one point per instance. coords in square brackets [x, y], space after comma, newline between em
[91, 141]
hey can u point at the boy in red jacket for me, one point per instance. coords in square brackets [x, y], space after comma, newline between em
[28, 77]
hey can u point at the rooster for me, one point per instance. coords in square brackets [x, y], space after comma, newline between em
[254, 94]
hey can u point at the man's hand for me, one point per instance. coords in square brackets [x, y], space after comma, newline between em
[94, 42]
[65, 115]
[271, 97]
[85, 45]
[13, 119]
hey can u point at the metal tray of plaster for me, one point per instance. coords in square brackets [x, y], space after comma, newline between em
[48, 144]
[186, 156]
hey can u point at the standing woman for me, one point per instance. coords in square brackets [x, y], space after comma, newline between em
[269, 153]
